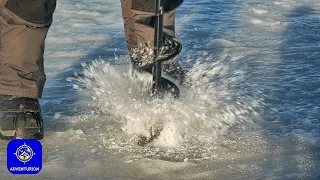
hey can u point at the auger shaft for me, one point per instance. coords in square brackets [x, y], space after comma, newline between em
[158, 40]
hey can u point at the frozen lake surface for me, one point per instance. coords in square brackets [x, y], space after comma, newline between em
[251, 110]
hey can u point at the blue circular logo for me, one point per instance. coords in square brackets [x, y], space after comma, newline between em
[24, 153]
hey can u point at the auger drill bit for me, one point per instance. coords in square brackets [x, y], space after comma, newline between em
[159, 7]
[158, 40]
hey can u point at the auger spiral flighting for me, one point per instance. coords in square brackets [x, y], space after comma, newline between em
[165, 47]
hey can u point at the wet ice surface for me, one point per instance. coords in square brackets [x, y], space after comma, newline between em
[251, 111]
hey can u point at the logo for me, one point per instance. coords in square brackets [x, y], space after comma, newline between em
[24, 156]
[24, 153]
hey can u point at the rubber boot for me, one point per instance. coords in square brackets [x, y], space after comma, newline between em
[20, 118]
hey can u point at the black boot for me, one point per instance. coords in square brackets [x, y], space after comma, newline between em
[20, 118]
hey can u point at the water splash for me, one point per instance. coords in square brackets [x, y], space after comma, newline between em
[143, 54]
[210, 103]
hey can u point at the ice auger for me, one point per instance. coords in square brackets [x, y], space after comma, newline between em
[160, 84]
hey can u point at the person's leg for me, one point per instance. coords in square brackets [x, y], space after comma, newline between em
[22, 77]
[140, 35]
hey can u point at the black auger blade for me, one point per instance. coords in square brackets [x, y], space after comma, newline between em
[161, 85]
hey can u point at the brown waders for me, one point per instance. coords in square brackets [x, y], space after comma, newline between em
[22, 46]
[139, 34]
[23, 28]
